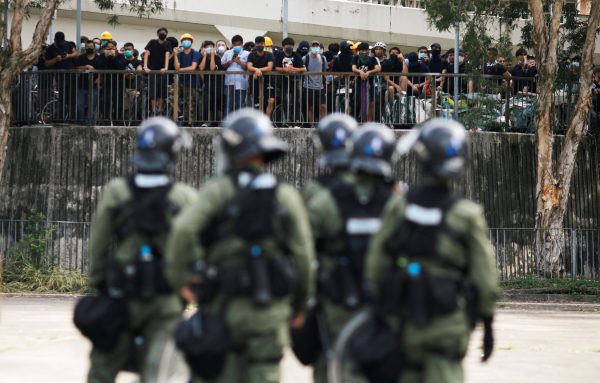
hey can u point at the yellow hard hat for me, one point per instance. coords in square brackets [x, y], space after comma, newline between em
[356, 44]
[268, 41]
[187, 36]
[106, 35]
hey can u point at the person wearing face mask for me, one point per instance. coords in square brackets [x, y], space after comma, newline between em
[416, 85]
[212, 84]
[187, 60]
[260, 62]
[365, 66]
[462, 82]
[88, 61]
[105, 37]
[289, 62]
[82, 41]
[62, 55]
[493, 68]
[268, 44]
[313, 97]
[221, 48]
[111, 94]
[379, 52]
[396, 83]
[437, 65]
[423, 55]
[131, 83]
[532, 72]
[235, 60]
[156, 58]
[97, 43]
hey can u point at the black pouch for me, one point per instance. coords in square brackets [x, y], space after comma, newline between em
[205, 341]
[377, 352]
[283, 277]
[101, 319]
[443, 295]
[306, 341]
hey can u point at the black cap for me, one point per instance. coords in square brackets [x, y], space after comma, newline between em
[436, 46]
[59, 37]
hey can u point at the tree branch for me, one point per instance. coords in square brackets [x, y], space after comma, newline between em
[557, 12]
[30, 55]
[539, 29]
[575, 132]
[17, 26]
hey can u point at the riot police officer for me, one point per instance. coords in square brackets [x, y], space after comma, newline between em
[344, 215]
[136, 310]
[432, 265]
[331, 137]
[244, 252]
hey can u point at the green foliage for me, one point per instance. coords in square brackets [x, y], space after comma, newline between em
[142, 8]
[28, 269]
[556, 286]
[479, 21]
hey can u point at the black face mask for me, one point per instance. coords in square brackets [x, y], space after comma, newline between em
[89, 51]
[260, 48]
[289, 49]
[162, 36]
[436, 54]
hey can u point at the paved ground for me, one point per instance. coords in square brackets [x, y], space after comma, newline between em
[39, 344]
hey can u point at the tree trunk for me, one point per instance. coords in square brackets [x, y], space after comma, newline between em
[553, 182]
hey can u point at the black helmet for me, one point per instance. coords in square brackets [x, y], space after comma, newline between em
[332, 136]
[159, 141]
[247, 133]
[440, 145]
[373, 150]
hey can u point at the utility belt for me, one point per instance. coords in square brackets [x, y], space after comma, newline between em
[144, 279]
[344, 284]
[261, 280]
[422, 296]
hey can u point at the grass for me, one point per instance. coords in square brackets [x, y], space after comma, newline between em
[553, 286]
[28, 269]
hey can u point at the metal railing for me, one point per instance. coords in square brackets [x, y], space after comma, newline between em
[59, 244]
[488, 103]
[515, 252]
[66, 247]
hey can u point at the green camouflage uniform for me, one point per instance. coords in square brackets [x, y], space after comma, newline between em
[438, 347]
[328, 225]
[154, 320]
[259, 334]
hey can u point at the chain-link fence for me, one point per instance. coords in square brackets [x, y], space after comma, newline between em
[65, 245]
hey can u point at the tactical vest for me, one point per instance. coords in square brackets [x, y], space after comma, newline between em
[254, 216]
[147, 214]
[361, 219]
[409, 288]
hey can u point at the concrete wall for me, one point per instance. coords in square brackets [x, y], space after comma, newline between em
[60, 171]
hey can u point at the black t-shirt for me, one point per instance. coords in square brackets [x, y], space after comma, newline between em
[343, 62]
[462, 81]
[417, 67]
[62, 49]
[366, 66]
[285, 61]
[393, 65]
[494, 69]
[261, 61]
[156, 60]
[437, 66]
[97, 62]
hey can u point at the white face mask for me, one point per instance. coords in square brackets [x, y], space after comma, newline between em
[221, 49]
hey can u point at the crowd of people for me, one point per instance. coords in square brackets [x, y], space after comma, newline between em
[266, 77]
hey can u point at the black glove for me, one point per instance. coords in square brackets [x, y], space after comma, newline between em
[488, 338]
